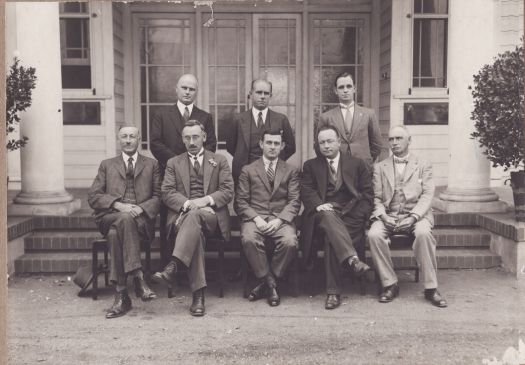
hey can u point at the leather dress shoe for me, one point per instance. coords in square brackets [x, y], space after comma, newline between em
[389, 293]
[332, 301]
[167, 275]
[197, 305]
[258, 292]
[121, 306]
[142, 290]
[358, 267]
[273, 297]
[435, 298]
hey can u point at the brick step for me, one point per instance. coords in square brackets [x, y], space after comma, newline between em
[68, 262]
[81, 240]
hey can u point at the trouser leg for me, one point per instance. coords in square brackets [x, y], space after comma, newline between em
[332, 269]
[424, 248]
[285, 251]
[337, 234]
[252, 241]
[379, 247]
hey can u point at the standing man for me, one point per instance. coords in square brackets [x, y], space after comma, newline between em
[248, 127]
[267, 202]
[197, 188]
[357, 126]
[166, 127]
[126, 197]
[336, 190]
[403, 192]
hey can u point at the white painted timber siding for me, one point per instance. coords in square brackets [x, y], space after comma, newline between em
[385, 67]
[118, 54]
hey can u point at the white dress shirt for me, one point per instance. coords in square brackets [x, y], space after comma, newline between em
[267, 164]
[182, 106]
[347, 108]
[126, 157]
[336, 161]
[256, 112]
[400, 167]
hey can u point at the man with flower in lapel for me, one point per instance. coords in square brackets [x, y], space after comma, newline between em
[197, 188]
[403, 192]
[267, 202]
[357, 125]
[126, 197]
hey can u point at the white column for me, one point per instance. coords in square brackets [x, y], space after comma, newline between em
[36, 35]
[471, 44]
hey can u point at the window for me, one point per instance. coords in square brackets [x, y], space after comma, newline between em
[75, 45]
[418, 113]
[430, 43]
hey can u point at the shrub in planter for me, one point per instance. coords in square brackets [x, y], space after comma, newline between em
[499, 117]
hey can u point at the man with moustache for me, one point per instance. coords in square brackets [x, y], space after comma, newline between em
[126, 197]
[197, 188]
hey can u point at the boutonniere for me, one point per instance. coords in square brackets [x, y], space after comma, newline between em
[212, 162]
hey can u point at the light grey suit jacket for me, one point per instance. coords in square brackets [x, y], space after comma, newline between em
[365, 136]
[418, 187]
[218, 184]
[255, 197]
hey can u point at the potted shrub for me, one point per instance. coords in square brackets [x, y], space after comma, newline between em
[499, 118]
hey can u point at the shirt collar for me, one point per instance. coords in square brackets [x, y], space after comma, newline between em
[126, 157]
[335, 159]
[181, 107]
[267, 162]
[344, 106]
[406, 157]
[256, 111]
[199, 155]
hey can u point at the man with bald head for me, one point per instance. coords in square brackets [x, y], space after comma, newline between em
[125, 197]
[247, 128]
[403, 192]
[166, 126]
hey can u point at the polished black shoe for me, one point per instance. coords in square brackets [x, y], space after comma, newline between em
[273, 297]
[389, 293]
[142, 290]
[167, 275]
[258, 292]
[332, 301]
[433, 296]
[121, 306]
[358, 267]
[197, 305]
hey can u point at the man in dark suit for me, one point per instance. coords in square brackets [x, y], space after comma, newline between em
[357, 126]
[126, 197]
[197, 188]
[267, 202]
[403, 193]
[336, 190]
[166, 126]
[247, 128]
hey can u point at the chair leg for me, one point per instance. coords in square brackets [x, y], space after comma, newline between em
[147, 274]
[417, 274]
[295, 277]
[221, 267]
[106, 266]
[244, 274]
[378, 282]
[362, 285]
[170, 290]
[94, 270]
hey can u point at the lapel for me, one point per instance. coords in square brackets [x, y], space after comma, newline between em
[279, 174]
[259, 168]
[139, 165]
[339, 122]
[246, 125]
[178, 119]
[322, 175]
[410, 167]
[388, 170]
[184, 164]
[348, 175]
[120, 166]
[207, 169]
[357, 119]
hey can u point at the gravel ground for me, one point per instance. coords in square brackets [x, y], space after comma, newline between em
[50, 324]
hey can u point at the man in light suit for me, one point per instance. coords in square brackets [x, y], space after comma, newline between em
[126, 197]
[336, 190]
[197, 188]
[403, 192]
[357, 126]
[247, 128]
[267, 202]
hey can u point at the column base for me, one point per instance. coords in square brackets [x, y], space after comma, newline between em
[60, 209]
[448, 206]
[43, 197]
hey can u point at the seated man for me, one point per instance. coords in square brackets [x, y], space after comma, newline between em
[403, 192]
[267, 202]
[197, 188]
[126, 197]
[336, 190]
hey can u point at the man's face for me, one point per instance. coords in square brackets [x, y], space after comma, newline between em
[345, 90]
[193, 138]
[261, 95]
[186, 89]
[399, 140]
[128, 138]
[271, 146]
[329, 143]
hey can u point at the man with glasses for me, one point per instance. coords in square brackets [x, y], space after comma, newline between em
[247, 128]
[357, 126]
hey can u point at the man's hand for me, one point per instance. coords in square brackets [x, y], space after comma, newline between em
[274, 225]
[201, 202]
[405, 225]
[261, 224]
[389, 222]
[132, 209]
[327, 207]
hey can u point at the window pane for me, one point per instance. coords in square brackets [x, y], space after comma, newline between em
[81, 113]
[162, 81]
[165, 45]
[227, 46]
[224, 117]
[431, 6]
[338, 45]
[73, 7]
[425, 113]
[76, 77]
[430, 57]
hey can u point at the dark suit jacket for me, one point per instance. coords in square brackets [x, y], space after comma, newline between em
[166, 133]
[218, 184]
[110, 183]
[365, 136]
[238, 138]
[314, 184]
[255, 197]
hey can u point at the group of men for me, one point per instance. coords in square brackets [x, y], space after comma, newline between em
[195, 186]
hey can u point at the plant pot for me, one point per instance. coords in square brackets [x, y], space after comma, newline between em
[517, 182]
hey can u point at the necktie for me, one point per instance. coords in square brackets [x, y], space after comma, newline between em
[129, 170]
[400, 160]
[196, 164]
[260, 122]
[348, 118]
[271, 173]
[186, 113]
[333, 170]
